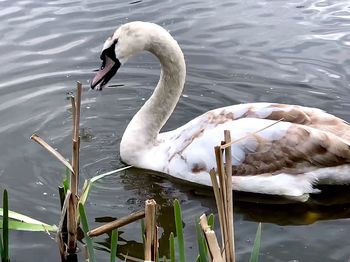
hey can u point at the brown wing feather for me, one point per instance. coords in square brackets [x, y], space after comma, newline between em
[311, 117]
[301, 149]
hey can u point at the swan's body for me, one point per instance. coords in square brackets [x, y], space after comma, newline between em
[308, 147]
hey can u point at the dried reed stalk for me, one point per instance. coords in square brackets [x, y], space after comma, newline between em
[223, 190]
[155, 243]
[61, 225]
[211, 239]
[222, 185]
[244, 137]
[63, 212]
[117, 223]
[150, 228]
[76, 103]
[59, 237]
[221, 171]
[73, 184]
[74, 178]
[61, 247]
[229, 200]
[72, 225]
[52, 151]
[71, 200]
[218, 200]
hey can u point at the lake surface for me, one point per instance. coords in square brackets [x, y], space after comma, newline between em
[236, 51]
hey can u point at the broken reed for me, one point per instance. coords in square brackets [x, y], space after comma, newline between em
[69, 209]
[222, 186]
[150, 233]
[69, 220]
[117, 223]
[72, 223]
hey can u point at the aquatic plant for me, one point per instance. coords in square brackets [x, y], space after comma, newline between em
[85, 228]
[172, 247]
[73, 212]
[179, 231]
[201, 241]
[12, 220]
[256, 247]
[208, 245]
[69, 221]
[4, 241]
[114, 244]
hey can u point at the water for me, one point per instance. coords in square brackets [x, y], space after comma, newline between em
[236, 51]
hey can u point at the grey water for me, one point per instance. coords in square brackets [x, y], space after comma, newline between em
[281, 51]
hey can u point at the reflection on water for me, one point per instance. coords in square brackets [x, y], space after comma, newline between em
[333, 204]
[236, 51]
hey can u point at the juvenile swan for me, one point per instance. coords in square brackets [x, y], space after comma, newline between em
[308, 147]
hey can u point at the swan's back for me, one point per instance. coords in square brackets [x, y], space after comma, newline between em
[300, 147]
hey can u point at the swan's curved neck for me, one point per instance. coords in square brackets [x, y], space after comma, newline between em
[141, 133]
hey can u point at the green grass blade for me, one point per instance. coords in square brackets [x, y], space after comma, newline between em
[87, 184]
[95, 178]
[1, 247]
[202, 246]
[85, 192]
[143, 231]
[172, 247]
[85, 227]
[179, 230]
[22, 222]
[5, 229]
[21, 217]
[84, 195]
[66, 181]
[24, 226]
[255, 252]
[211, 221]
[114, 244]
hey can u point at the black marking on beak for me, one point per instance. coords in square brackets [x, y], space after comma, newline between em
[109, 67]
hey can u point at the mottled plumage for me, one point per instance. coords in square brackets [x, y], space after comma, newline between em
[301, 147]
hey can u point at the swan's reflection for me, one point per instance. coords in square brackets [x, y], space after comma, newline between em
[333, 203]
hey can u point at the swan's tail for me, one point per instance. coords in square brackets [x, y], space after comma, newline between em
[296, 187]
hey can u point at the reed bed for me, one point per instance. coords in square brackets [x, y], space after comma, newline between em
[67, 231]
[73, 213]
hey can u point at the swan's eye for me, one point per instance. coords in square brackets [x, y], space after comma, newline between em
[115, 41]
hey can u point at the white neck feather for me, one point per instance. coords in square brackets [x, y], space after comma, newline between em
[142, 131]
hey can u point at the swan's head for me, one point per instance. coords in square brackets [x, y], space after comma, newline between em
[129, 39]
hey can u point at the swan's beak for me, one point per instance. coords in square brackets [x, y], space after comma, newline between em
[105, 73]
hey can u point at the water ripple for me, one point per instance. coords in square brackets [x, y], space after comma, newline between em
[236, 51]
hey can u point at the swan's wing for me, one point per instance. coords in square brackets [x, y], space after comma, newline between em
[308, 116]
[312, 117]
[283, 147]
[270, 161]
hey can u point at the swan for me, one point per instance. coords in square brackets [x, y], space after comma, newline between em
[308, 147]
